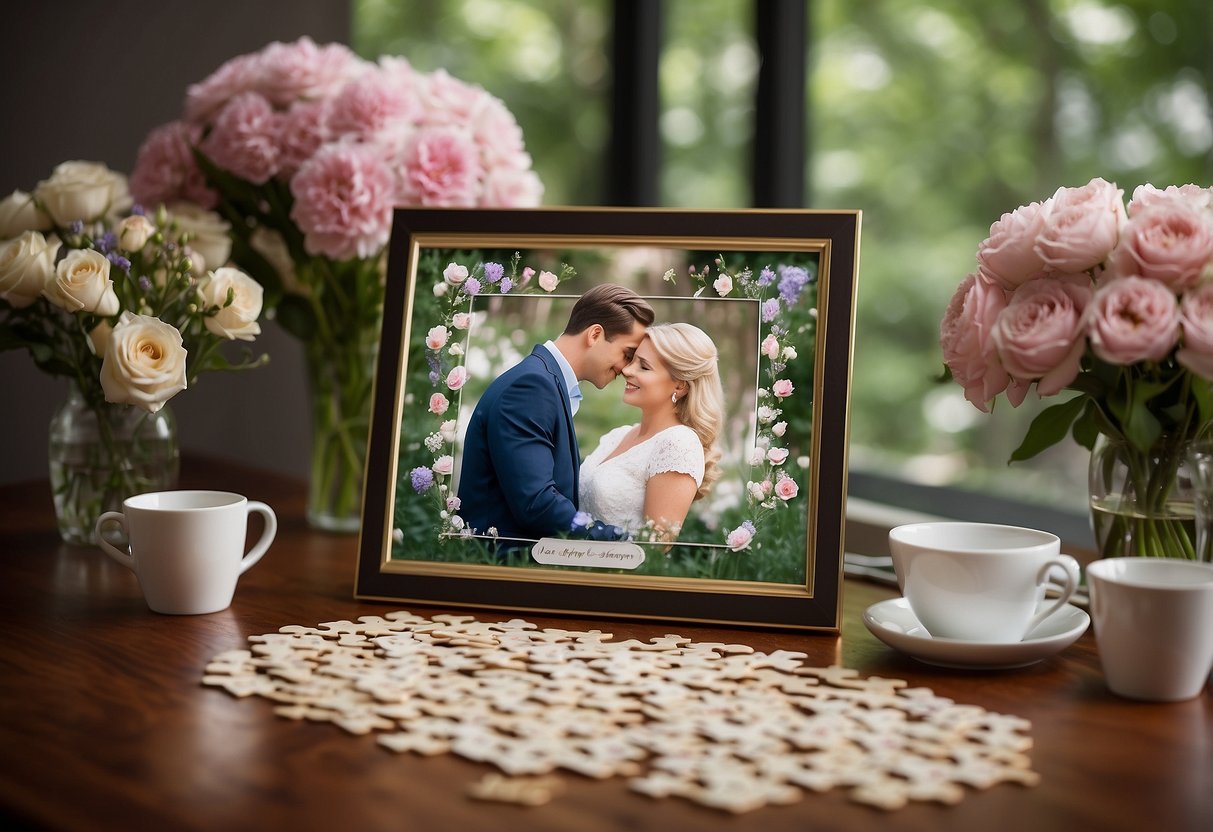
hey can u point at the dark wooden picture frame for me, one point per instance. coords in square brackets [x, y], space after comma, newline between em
[777, 291]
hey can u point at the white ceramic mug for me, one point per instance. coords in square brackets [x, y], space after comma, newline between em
[979, 581]
[187, 547]
[1153, 622]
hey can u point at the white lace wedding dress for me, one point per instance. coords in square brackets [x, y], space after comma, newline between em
[612, 490]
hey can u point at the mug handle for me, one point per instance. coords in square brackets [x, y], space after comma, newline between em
[267, 536]
[1069, 568]
[110, 549]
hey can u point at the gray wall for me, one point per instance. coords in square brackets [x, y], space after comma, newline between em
[88, 80]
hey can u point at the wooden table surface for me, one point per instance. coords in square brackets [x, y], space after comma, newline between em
[104, 722]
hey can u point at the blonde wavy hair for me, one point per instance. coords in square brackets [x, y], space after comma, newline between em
[689, 355]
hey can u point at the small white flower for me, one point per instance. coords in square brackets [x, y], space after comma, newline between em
[789, 353]
[397, 535]
[440, 289]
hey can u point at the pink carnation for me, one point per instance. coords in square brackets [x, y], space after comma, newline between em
[343, 201]
[966, 337]
[447, 100]
[166, 171]
[1083, 226]
[303, 70]
[1133, 319]
[1196, 318]
[239, 75]
[1146, 196]
[497, 133]
[510, 188]
[303, 129]
[1008, 256]
[376, 105]
[1170, 241]
[441, 167]
[1040, 335]
[244, 139]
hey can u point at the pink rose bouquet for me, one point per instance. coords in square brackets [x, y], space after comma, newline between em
[1114, 303]
[306, 149]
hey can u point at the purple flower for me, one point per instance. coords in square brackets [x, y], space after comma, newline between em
[422, 478]
[434, 376]
[582, 520]
[119, 261]
[493, 272]
[77, 227]
[145, 283]
[749, 527]
[107, 242]
[506, 285]
[137, 210]
[766, 276]
[792, 283]
[770, 310]
[471, 286]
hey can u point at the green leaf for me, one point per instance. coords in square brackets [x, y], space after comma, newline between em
[296, 316]
[1202, 391]
[1048, 428]
[1142, 427]
[1087, 427]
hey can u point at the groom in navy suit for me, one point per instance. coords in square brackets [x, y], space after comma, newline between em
[521, 462]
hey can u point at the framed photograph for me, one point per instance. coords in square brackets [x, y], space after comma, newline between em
[614, 412]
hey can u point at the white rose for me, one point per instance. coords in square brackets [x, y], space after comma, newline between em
[461, 320]
[239, 318]
[789, 353]
[26, 266]
[82, 284]
[272, 246]
[779, 428]
[548, 281]
[144, 364]
[19, 213]
[757, 456]
[82, 191]
[456, 349]
[723, 285]
[455, 274]
[440, 289]
[99, 338]
[134, 232]
[208, 233]
[447, 429]
[766, 414]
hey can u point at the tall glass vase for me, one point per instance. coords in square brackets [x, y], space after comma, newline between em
[339, 383]
[102, 453]
[1144, 503]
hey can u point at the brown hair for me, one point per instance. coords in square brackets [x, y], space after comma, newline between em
[615, 308]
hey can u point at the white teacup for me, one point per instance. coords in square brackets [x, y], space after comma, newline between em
[979, 581]
[1153, 622]
[187, 547]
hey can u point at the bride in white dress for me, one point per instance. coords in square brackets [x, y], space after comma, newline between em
[651, 472]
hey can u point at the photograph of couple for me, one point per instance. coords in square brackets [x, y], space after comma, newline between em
[656, 397]
[523, 475]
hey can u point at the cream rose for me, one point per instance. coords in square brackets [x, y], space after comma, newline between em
[548, 281]
[26, 266]
[271, 245]
[83, 191]
[239, 318]
[82, 284]
[134, 232]
[19, 213]
[455, 274]
[208, 233]
[144, 363]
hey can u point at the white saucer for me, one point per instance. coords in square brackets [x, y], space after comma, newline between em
[895, 624]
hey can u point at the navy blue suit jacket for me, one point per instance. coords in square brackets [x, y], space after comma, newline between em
[521, 463]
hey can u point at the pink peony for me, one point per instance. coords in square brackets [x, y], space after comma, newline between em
[1040, 336]
[438, 404]
[1133, 319]
[510, 188]
[1170, 241]
[244, 139]
[965, 335]
[1008, 256]
[239, 75]
[1196, 319]
[166, 171]
[1146, 196]
[343, 201]
[303, 70]
[1083, 226]
[375, 106]
[302, 130]
[441, 167]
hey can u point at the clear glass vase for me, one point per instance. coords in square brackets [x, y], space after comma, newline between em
[1144, 503]
[102, 453]
[340, 389]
